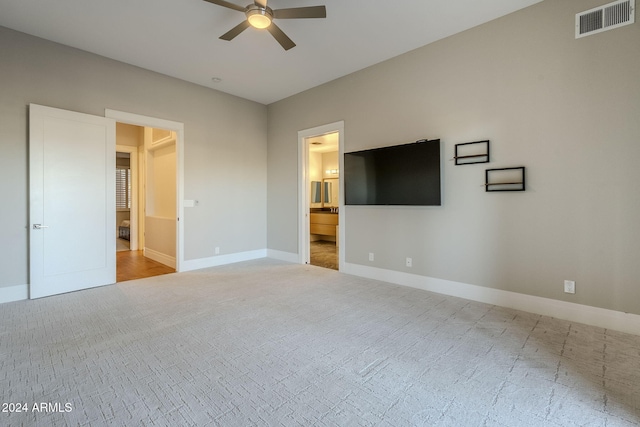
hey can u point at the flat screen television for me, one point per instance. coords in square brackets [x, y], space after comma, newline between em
[402, 175]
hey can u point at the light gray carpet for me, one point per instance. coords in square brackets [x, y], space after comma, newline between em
[268, 343]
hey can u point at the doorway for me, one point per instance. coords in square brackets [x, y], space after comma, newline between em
[123, 199]
[151, 188]
[72, 197]
[128, 139]
[321, 219]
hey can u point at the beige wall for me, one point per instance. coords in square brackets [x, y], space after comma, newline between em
[330, 161]
[315, 174]
[161, 182]
[129, 135]
[224, 153]
[160, 207]
[566, 109]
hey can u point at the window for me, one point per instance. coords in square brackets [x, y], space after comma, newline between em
[123, 187]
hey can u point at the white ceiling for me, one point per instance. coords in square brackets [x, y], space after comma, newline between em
[179, 38]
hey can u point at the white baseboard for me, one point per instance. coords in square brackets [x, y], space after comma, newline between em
[214, 261]
[165, 259]
[14, 293]
[283, 256]
[594, 316]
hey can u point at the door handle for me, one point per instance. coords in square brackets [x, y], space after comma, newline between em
[39, 226]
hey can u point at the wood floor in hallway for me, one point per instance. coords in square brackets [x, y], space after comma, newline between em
[134, 265]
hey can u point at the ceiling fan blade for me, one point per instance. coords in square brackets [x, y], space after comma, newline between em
[280, 36]
[261, 3]
[232, 33]
[227, 4]
[301, 12]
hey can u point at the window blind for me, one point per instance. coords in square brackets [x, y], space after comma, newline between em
[123, 188]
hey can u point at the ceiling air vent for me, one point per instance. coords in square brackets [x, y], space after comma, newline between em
[603, 18]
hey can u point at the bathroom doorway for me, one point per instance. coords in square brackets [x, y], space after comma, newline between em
[324, 177]
[321, 220]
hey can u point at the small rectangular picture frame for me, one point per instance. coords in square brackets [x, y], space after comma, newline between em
[505, 179]
[469, 153]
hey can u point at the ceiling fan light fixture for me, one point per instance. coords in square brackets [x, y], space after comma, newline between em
[259, 18]
[259, 15]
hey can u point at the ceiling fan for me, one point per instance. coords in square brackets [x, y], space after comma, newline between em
[260, 16]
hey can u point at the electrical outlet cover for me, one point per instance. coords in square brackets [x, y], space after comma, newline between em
[569, 286]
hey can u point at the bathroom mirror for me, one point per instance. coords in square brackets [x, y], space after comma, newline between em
[316, 194]
[324, 193]
[331, 198]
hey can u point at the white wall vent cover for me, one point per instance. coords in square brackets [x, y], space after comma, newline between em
[603, 18]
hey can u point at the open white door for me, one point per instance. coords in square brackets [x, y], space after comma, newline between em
[72, 201]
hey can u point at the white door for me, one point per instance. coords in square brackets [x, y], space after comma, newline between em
[72, 201]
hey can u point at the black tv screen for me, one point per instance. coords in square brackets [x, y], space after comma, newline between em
[403, 175]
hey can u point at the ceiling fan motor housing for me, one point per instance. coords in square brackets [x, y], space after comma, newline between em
[259, 17]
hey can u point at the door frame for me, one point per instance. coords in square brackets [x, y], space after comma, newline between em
[178, 128]
[304, 203]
